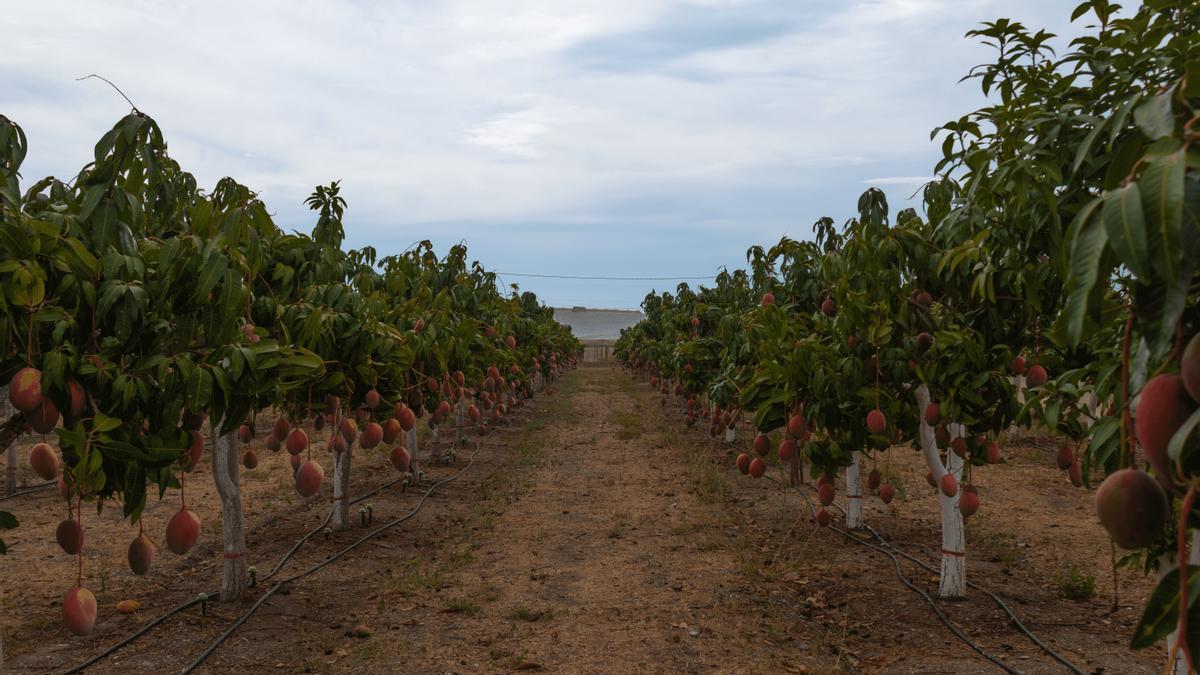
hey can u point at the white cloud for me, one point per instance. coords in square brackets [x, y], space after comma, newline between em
[466, 114]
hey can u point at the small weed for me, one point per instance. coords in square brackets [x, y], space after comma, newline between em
[632, 424]
[708, 480]
[462, 606]
[1075, 585]
[621, 521]
[522, 613]
[369, 650]
[413, 579]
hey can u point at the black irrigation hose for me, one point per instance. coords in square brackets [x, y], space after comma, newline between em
[1007, 610]
[313, 532]
[906, 581]
[300, 575]
[996, 598]
[914, 588]
[134, 635]
[332, 558]
[216, 594]
[287, 556]
[30, 490]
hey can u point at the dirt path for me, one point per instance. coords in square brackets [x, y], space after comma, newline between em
[598, 534]
[618, 558]
[636, 548]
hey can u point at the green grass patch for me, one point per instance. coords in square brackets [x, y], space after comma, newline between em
[461, 606]
[1075, 585]
[522, 613]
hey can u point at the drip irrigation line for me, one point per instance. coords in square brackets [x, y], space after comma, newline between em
[334, 557]
[278, 566]
[327, 561]
[216, 594]
[135, 635]
[995, 598]
[913, 587]
[313, 532]
[30, 490]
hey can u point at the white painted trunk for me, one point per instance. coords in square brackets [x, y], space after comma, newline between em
[10, 452]
[854, 510]
[226, 469]
[410, 442]
[1018, 382]
[1094, 408]
[461, 424]
[730, 435]
[954, 541]
[340, 513]
[10, 468]
[1166, 564]
[954, 546]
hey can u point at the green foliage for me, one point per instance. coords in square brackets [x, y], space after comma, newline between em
[166, 304]
[1066, 207]
[1075, 585]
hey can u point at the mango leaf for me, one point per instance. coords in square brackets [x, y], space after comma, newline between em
[1162, 184]
[1126, 228]
[1154, 116]
[1179, 440]
[1162, 610]
[1087, 249]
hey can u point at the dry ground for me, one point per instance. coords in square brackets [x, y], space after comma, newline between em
[595, 535]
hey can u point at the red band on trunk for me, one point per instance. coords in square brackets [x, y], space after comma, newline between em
[854, 496]
[957, 554]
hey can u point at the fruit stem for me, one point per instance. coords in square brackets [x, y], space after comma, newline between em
[29, 341]
[79, 555]
[1181, 537]
[1126, 425]
[1112, 547]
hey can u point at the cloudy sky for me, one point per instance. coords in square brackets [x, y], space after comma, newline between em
[596, 138]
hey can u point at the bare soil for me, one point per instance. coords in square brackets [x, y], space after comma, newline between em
[597, 534]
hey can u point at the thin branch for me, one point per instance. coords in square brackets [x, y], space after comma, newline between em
[100, 77]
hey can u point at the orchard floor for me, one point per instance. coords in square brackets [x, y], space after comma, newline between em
[597, 534]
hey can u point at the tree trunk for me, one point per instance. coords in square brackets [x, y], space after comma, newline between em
[340, 514]
[8, 442]
[10, 467]
[411, 442]
[854, 512]
[954, 547]
[1018, 382]
[460, 425]
[226, 468]
[794, 474]
[730, 435]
